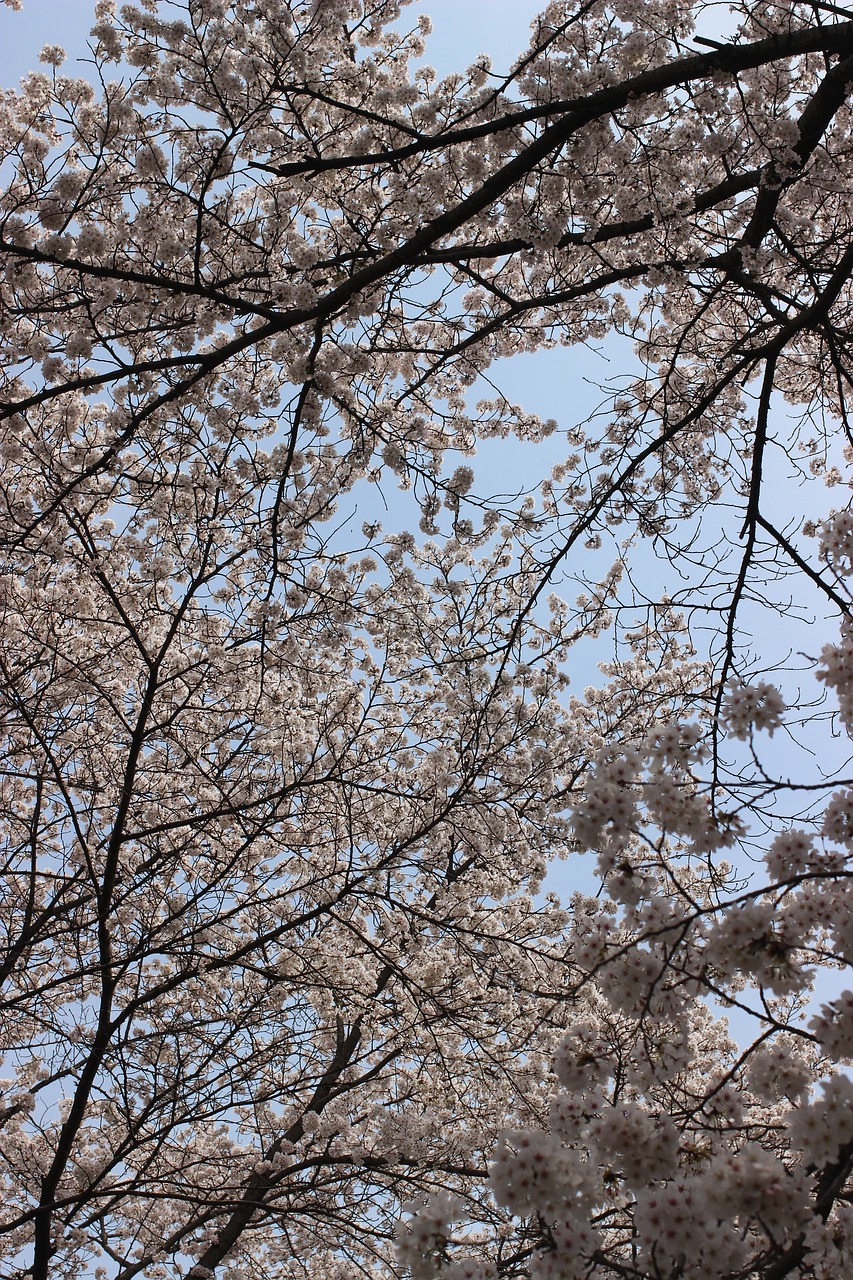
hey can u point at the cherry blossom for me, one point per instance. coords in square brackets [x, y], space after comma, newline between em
[408, 871]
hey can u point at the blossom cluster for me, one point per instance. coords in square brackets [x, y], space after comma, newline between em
[752, 706]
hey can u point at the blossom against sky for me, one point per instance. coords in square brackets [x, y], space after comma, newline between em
[462, 30]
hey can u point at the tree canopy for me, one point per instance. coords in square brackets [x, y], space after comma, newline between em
[294, 725]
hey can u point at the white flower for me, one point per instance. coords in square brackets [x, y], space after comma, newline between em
[747, 707]
[53, 55]
[833, 1026]
[821, 1128]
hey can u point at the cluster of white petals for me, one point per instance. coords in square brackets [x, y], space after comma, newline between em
[423, 1236]
[751, 706]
